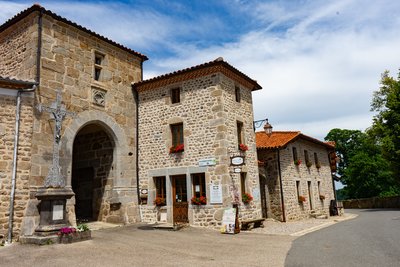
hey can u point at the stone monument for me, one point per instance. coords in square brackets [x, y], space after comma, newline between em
[53, 195]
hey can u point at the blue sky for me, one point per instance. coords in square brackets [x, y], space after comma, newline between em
[318, 61]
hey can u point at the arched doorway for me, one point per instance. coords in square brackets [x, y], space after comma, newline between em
[92, 163]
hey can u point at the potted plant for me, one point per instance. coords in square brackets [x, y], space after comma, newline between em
[199, 201]
[302, 199]
[321, 197]
[297, 162]
[243, 147]
[318, 165]
[308, 164]
[71, 234]
[177, 149]
[247, 198]
[159, 201]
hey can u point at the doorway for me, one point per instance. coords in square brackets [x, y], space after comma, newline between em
[180, 201]
[263, 195]
[92, 174]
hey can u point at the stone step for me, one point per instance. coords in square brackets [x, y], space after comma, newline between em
[167, 226]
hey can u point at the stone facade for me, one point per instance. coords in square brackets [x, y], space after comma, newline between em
[297, 180]
[209, 114]
[7, 131]
[70, 58]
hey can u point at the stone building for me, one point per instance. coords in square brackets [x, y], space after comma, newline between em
[295, 175]
[191, 122]
[98, 145]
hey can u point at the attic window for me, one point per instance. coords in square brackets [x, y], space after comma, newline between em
[175, 95]
[98, 65]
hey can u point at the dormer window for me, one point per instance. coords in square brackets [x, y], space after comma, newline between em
[98, 65]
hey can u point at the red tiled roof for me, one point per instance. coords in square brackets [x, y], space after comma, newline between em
[279, 139]
[10, 83]
[37, 7]
[218, 65]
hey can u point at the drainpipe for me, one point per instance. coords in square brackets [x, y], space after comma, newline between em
[280, 183]
[14, 167]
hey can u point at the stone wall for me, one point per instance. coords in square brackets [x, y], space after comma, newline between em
[290, 173]
[7, 134]
[209, 114]
[18, 49]
[373, 203]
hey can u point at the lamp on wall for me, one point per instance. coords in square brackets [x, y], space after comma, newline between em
[267, 127]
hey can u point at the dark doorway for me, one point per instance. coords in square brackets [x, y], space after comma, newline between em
[263, 195]
[91, 172]
[180, 201]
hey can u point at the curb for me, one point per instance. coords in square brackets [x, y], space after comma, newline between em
[318, 227]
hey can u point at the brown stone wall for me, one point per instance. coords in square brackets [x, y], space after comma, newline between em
[209, 114]
[7, 130]
[18, 49]
[292, 173]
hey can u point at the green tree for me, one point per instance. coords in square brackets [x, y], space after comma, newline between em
[386, 123]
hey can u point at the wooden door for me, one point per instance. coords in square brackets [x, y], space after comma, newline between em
[180, 201]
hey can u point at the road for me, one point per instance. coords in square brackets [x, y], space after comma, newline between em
[371, 239]
[140, 246]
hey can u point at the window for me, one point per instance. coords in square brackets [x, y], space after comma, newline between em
[294, 154]
[199, 184]
[237, 93]
[319, 188]
[175, 95]
[160, 186]
[240, 132]
[298, 189]
[243, 182]
[307, 159]
[316, 159]
[177, 134]
[98, 62]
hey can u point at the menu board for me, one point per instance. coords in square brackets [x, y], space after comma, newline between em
[228, 221]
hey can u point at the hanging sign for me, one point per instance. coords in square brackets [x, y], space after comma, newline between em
[228, 221]
[215, 194]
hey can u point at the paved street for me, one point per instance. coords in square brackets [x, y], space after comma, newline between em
[372, 239]
[138, 246]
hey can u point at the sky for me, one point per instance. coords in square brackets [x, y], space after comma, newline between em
[318, 62]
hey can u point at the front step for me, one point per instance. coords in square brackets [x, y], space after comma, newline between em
[168, 226]
[318, 215]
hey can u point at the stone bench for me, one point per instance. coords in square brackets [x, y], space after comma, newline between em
[253, 223]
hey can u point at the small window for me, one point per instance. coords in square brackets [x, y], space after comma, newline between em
[98, 62]
[239, 126]
[319, 188]
[160, 186]
[237, 93]
[294, 154]
[175, 95]
[306, 158]
[199, 185]
[316, 159]
[243, 182]
[177, 134]
[298, 189]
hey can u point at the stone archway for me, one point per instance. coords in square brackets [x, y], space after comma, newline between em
[92, 173]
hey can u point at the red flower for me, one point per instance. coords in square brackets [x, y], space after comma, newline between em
[199, 200]
[297, 162]
[243, 147]
[177, 149]
[159, 201]
[247, 198]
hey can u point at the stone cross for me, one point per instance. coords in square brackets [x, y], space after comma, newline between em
[58, 112]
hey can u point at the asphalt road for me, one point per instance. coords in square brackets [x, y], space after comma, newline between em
[371, 239]
[139, 246]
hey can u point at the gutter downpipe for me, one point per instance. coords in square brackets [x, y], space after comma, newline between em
[14, 167]
[136, 93]
[280, 185]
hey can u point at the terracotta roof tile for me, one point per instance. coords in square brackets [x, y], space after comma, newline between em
[218, 65]
[37, 7]
[279, 139]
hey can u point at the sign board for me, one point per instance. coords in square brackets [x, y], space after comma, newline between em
[58, 212]
[237, 170]
[207, 162]
[256, 194]
[237, 160]
[215, 194]
[228, 221]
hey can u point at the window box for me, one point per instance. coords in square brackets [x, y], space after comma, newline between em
[302, 199]
[247, 198]
[177, 149]
[243, 147]
[199, 201]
